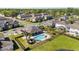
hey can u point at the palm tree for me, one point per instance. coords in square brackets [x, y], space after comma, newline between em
[25, 33]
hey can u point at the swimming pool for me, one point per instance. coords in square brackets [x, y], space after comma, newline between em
[39, 37]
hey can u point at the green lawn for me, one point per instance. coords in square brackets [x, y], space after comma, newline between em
[23, 42]
[12, 37]
[61, 42]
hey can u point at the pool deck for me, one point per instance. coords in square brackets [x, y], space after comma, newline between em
[45, 34]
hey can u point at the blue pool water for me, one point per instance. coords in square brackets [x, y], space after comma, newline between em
[39, 37]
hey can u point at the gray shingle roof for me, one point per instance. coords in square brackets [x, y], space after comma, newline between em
[6, 44]
[25, 15]
[75, 25]
[48, 23]
[2, 23]
[61, 22]
[37, 15]
[30, 15]
[3, 20]
[31, 29]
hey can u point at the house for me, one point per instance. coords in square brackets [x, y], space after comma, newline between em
[35, 17]
[48, 22]
[32, 30]
[17, 31]
[6, 23]
[6, 44]
[46, 16]
[3, 23]
[34, 34]
[24, 16]
[59, 24]
[63, 18]
[41, 17]
[72, 29]
[15, 24]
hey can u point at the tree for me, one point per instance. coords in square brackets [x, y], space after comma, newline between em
[61, 29]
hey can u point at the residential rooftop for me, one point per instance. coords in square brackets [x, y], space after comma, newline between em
[6, 44]
[75, 25]
[31, 29]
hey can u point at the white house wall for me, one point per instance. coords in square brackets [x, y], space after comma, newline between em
[72, 31]
[59, 25]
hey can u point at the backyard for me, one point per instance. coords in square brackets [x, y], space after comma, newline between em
[60, 42]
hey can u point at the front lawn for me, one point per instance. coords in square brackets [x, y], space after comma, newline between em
[60, 42]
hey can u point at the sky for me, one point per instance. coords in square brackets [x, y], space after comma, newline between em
[38, 3]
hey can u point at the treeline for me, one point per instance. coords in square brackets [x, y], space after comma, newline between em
[53, 12]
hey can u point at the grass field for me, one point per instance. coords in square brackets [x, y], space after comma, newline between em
[61, 42]
[23, 42]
